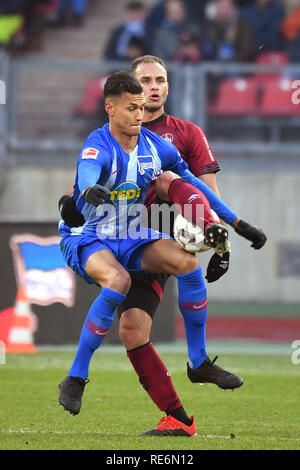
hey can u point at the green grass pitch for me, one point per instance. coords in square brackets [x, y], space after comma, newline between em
[264, 414]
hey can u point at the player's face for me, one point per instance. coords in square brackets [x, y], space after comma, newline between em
[126, 113]
[154, 81]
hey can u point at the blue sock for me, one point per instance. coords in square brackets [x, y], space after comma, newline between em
[96, 326]
[193, 306]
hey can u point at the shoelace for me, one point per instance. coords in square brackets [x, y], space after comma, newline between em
[214, 360]
[162, 420]
[211, 362]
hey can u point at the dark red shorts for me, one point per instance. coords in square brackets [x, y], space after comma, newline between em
[145, 292]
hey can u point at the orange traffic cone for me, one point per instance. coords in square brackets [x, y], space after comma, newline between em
[20, 337]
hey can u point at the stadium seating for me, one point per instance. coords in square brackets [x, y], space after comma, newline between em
[276, 58]
[276, 99]
[236, 97]
[273, 58]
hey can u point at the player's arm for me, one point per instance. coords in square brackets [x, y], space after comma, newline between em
[68, 211]
[201, 159]
[223, 211]
[244, 229]
[88, 173]
[211, 181]
[256, 236]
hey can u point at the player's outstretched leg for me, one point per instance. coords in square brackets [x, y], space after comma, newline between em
[209, 372]
[169, 426]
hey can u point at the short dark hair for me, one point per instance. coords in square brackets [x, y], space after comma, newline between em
[146, 59]
[121, 82]
[135, 5]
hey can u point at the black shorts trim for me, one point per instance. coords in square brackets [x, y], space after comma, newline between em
[145, 293]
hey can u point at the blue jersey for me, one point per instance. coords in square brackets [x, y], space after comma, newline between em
[128, 176]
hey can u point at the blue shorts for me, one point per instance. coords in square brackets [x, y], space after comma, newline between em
[76, 249]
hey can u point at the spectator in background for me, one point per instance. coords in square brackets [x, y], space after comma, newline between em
[291, 32]
[225, 35]
[266, 17]
[22, 23]
[189, 49]
[195, 9]
[78, 10]
[135, 48]
[167, 36]
[133, 26]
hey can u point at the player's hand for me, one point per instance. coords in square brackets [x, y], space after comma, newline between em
[96, 195]
[69, 213]
[254, 234]
[217, 266]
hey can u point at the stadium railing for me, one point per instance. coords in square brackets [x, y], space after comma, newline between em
[53, 105]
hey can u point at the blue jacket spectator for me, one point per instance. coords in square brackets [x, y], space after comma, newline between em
[266, 16]
[169, 33]
[132, 29]
[225, 35]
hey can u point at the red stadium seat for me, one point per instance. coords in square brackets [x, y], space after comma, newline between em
[236, 97]
[271, 58]
[92, 94]
[277, 98]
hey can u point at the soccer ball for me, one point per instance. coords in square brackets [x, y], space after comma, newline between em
[190, 236]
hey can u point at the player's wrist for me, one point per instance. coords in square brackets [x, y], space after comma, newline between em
[235, 223]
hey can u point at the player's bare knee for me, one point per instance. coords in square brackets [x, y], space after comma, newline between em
[162, 184]
[133, 331]
[119, 281]
[131, 336]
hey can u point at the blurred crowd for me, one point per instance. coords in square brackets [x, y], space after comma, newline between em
[22, 22]
[177, 30]
[181, 31]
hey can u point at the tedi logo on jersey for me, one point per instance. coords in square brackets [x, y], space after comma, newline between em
[144, 163]
[127, 191]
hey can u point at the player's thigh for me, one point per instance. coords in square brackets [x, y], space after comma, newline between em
[165, 256]
[104, 268]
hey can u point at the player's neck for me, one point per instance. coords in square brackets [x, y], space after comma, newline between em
[152, 115]
[127, 142]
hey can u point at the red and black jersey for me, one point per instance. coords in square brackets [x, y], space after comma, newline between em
[191, 143]
[189, 139]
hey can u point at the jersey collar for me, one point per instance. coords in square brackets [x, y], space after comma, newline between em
[160, 118]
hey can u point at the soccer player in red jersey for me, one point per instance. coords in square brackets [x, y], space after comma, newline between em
[146, 290]
[143, 298]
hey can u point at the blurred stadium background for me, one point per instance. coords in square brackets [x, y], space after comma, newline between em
[52, 70]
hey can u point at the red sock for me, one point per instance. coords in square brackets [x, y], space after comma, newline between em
[187, 198]
[154, 377]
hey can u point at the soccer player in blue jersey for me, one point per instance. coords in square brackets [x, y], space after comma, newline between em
[114, 171]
